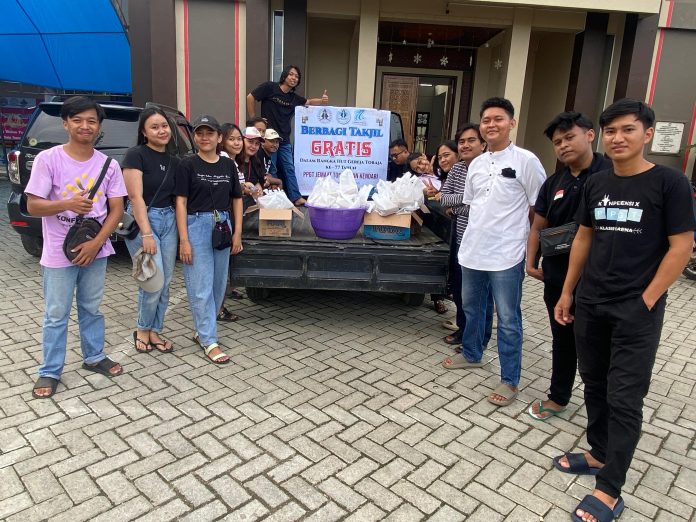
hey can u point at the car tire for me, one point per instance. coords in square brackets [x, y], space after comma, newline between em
[257, 294]
[413, 299]
[33, 245]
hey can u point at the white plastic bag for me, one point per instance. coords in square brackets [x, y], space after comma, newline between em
[403, 196]
[274, 199]
[344, 194]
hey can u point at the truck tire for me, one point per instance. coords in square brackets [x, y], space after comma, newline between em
[413, 299]
[33, 245]
[257, 294]
[690, 271]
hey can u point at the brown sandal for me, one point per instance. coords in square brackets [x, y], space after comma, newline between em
[137, 342]
[440, 306]
[164, 346]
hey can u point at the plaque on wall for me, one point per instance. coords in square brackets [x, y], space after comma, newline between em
[667, 138]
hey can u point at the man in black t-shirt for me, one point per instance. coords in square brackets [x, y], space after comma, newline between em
[278, 102]
[634, 239]
[398, 159]
[571, 134]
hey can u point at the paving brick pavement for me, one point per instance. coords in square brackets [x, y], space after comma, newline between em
[335, 408]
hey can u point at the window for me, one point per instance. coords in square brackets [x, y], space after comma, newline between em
[277, 46]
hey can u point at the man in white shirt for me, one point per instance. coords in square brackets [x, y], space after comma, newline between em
[501, 189]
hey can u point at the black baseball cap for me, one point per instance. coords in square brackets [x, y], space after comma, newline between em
[206, 121]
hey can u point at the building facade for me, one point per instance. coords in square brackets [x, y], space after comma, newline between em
[433, 62]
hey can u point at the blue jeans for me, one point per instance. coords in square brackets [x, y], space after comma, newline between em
[153, 306]
[206, 278]
[285, 163]
[59, 286]
[506, 287]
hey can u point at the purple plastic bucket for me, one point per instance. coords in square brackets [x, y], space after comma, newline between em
[335, 223]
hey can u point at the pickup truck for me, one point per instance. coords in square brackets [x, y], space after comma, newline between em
[412, 267]
[45, 129]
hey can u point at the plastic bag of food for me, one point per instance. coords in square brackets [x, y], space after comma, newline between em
[327, 193]
[400, 197]
[274, 199]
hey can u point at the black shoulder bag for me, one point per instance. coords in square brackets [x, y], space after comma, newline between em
[222, 235]
[554, 241]
[128, 227]
[84, 229]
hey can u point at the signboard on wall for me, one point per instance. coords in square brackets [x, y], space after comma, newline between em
[14, 120]
[329, 140]
[667, 138]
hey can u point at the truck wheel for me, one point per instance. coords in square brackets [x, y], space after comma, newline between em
[33, 245]
[690, 270]
[413, 299]
[257, 294]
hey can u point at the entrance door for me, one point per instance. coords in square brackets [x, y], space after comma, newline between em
[425, 104]
[399, 95]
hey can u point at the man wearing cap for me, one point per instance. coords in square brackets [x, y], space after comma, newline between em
[265, 155]
[278, 102]
[58, 192]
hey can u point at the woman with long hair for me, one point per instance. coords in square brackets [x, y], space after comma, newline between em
[206, 187]
[148, 170]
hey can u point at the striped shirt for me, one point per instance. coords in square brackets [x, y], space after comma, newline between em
[453, 197]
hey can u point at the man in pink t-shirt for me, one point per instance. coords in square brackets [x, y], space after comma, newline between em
[61, 179]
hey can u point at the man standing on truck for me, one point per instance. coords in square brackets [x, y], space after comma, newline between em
[501, 188]
[278, 102]
[57, 191]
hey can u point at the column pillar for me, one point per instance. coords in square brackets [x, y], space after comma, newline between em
[517, 61]
[367, 53]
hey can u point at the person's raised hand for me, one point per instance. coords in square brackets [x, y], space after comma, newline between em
[325, 98]
[79, 203]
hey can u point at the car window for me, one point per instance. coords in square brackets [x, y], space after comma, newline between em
[119, 130]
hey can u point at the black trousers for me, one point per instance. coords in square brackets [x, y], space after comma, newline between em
[564, 359]
[455, 279]
[616, 344]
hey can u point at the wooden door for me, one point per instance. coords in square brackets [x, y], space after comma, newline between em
[399, 95]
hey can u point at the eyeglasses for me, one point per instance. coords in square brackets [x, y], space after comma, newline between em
[394, 156]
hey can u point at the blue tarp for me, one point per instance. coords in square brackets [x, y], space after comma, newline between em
[64, 44]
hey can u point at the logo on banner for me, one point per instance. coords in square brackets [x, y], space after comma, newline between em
[324, 116]
[343, 116]
[359, 117]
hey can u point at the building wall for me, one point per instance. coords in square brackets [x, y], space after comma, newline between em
[329, 52]
[552, 54]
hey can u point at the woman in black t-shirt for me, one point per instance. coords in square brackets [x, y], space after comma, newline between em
[148, 171]
[206, 187]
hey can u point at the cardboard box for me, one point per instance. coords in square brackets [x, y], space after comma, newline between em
[396, 227]
[275, 222]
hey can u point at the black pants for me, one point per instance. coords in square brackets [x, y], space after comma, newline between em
[616, 344]
[455, 279]
[564, 359]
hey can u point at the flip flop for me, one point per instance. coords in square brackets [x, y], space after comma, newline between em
[103, 367]
[450, 324]
[234, 294]
[459, 362]
[598, 509]
[551, 412]
[454, 339]
[577, 464]
[148, 346]
[45, 382]
[164, 347]
[504, 391]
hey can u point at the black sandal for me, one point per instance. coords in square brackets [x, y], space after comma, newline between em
[226, 316]
[147, 346]
[104, 366]
[455, 338]
[45, 382]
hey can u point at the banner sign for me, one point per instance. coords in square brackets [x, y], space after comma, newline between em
[13, 121]
[329, 140]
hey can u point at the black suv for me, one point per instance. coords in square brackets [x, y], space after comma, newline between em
[45, 129]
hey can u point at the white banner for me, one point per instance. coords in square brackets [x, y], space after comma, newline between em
[329, 140]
